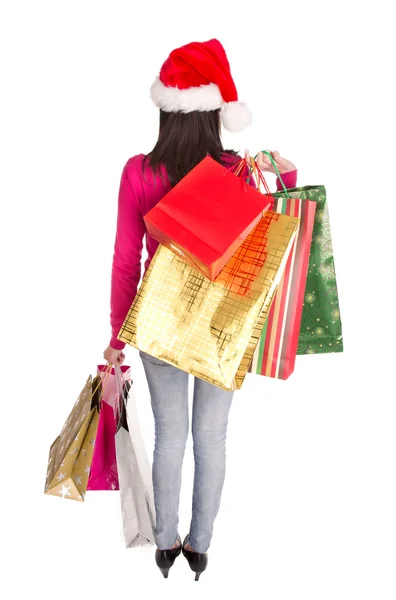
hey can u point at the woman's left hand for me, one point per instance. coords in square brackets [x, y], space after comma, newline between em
[113, 356]
[282, 164]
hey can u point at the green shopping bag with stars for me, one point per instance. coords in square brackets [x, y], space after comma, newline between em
[321, 329]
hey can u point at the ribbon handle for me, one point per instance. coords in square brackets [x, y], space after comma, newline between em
[237, 169]
[253, 167]
[275, 169]
[120, 403]
[97, 393]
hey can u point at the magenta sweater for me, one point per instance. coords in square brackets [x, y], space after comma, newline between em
[138, 194]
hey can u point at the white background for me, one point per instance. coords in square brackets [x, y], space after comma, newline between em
[308, 507]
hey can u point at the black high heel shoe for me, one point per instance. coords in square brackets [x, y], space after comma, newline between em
[198, 561]
[166, 558]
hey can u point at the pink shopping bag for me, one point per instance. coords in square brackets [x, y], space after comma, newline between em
[103, 474]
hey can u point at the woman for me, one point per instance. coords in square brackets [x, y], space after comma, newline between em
[195, 93]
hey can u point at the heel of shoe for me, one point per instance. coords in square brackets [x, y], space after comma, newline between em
[198, 561]
[166, 558]
[164, 571]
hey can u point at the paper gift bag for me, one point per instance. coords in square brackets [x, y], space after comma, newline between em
[134, 471]
[275, 354]
[209, 329]
[71, 453]
[103, 474]
[321, 329]
[110, 394]
[207, 215]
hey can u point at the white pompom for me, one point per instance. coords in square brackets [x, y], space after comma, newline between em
[236, 116]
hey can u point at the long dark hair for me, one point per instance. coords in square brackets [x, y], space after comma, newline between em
[184, 140]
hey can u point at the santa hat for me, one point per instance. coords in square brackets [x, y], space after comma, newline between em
[197, 76]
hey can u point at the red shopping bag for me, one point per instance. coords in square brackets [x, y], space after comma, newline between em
[103, 474]
[206, 217]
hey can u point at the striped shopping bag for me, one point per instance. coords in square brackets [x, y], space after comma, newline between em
[275, 353]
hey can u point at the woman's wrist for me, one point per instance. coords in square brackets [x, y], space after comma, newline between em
[116, 344]
[283, 172]
[289, 179]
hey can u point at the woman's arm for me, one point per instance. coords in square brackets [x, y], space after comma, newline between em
[289, 179]
[126, 268]
[286, 168]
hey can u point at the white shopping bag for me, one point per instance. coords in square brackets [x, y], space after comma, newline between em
[134, 470]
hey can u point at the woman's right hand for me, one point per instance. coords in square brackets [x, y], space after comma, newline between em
[115, 357]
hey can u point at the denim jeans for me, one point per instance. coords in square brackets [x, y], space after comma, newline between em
[168, 387]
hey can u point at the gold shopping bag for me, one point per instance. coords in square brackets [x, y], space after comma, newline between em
[71, 453]
[210, 328]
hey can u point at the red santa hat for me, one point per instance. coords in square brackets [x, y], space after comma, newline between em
[197, 76]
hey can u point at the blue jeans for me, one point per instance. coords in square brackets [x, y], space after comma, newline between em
[168, 387]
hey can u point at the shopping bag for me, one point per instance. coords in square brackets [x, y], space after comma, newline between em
[209, 329]
[275, 354]
[134, 471]
[71, 453]
[103, 474]
[110, 394]
[207, 215]
[321, 328]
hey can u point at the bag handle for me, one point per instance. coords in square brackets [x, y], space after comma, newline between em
[237, 169]
[119, 378]
[101, 382]
[275, 169]
[253, 167]
[120, 382]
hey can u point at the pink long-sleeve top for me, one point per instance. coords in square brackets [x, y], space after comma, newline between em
[138, 193]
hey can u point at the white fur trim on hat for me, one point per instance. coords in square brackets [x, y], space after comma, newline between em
[172, 99]
[235, 116]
